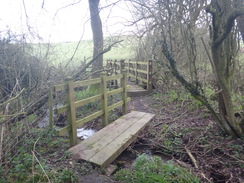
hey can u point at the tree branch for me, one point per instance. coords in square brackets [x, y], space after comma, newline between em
[190, 87]
[228, 26]
[12, 98]
[94, 59]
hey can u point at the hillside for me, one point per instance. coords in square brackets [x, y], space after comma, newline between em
[63, 52]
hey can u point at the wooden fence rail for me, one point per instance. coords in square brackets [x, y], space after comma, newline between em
[69, 86]
[141, 71]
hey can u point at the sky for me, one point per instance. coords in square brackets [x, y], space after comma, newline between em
[61, 20]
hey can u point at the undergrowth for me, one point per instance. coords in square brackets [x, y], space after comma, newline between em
[151, 169]
[181, 131]
[40, 157]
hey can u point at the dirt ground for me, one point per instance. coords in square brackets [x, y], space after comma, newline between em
[185, 133]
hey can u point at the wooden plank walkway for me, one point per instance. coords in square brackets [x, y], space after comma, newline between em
[107, 144]
[134, 90]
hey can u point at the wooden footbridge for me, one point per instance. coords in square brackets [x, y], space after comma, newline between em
[106, 145]
[139, 75]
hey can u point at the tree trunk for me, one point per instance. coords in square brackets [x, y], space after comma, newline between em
[240, 22]
[97, 32]
[223, 17]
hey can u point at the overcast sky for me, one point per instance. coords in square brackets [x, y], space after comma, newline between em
[59, 21]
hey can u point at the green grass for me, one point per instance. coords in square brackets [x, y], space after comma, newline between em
[63, 52]
[151, 169]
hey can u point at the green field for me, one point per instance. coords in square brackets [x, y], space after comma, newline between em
[57, 53]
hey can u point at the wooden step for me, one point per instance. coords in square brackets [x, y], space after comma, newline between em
[136, 91]
[107, 144]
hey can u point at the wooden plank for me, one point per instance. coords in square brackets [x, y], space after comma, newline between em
[131, 69]
[142, 63]
[142, 71]
[91, 146]
[135, 62]
[119, 90]
[135, 88]
[59, 87]
[61, 109]
[120, 103]
[89, 118]
[64, 130]
[85, 149]
[87, 82]
[141, 79]
[120, 143]
[88, 100]
[79, 103]
[118, 76]
[131, 75]
[104, 131]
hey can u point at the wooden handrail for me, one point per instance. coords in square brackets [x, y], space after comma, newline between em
[71, 106]
[134, 71]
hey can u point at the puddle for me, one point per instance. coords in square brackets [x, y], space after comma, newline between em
[44, 122]
[85, 133]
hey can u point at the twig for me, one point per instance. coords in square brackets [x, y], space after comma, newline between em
[205, 178]
[41, 166]
[194, 161]
[172, 120]
[181, 163]
[34, 156]
[12, 115]
[241, 161]
[206, 49]
[95, 58]
[103, 70]
[12, 98]
[230, 179]
[1, 142]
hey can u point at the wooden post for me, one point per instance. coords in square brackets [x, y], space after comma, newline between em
[122, 65]
[136, 73]
[104, 98]
[50, 104]
[107, 63]
[115, 73]
[124, 93]
[121, 68]
[71, 111]
[149, 75]
[129, 69]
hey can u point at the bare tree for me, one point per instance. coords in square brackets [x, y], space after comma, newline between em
[96, 25]
[224, 14]
[176, 25]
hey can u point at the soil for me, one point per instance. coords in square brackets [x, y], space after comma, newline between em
[185, 132]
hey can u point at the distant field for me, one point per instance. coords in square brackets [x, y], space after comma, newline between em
[63, 52]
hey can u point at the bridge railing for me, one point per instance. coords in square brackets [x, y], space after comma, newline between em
[115, 67]
[70, 108]
[140, 71]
